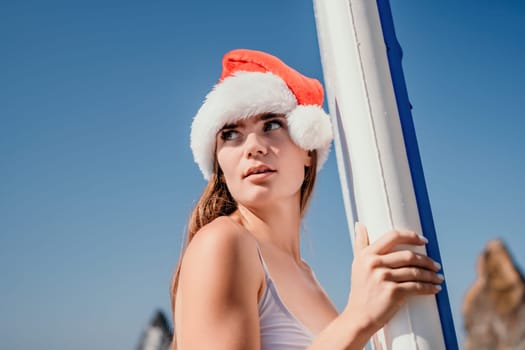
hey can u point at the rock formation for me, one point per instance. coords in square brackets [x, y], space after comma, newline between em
[157, 335]
[494, 306]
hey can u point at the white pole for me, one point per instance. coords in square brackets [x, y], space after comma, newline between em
[375, 175]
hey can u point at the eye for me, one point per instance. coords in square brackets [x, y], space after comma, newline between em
[228, 135]
[273, 125]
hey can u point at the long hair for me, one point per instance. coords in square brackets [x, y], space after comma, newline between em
[216, 201]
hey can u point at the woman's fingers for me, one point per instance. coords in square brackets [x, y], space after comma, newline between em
[361, 237]
[410, 274]
[414, 288]
[382, 278]
[406, 258]
[389, 240]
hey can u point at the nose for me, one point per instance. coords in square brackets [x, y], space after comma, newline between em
[254, 145]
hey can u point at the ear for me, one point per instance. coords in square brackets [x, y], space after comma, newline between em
[308, 159]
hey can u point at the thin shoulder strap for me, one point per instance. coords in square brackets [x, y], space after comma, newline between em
[265, 268]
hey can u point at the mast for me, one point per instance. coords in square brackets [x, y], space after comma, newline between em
[382, 179]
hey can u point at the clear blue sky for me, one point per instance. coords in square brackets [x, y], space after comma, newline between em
[97, 178]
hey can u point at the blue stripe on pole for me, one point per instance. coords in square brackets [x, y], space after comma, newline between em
[394, 54]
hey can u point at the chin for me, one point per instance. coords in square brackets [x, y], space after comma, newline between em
[265, 196]
[256, 198]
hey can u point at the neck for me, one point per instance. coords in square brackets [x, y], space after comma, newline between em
[276, 224]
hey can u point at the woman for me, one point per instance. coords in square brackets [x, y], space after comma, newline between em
[241, 283]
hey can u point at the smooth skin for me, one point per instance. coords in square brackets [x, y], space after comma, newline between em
[222, 279]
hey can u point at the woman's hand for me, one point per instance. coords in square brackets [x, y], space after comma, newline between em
[383, 279]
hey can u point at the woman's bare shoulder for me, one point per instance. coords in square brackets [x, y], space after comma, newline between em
[223, 248]
[222, 235]
[218, 285]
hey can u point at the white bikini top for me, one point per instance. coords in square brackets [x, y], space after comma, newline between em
[279, 328]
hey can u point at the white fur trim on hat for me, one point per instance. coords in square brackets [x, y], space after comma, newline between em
[246, 94]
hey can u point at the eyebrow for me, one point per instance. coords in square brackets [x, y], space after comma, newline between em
[267, 116]
[229, 126]
[261, 117]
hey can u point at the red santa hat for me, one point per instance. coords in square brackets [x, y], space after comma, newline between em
[254, 82]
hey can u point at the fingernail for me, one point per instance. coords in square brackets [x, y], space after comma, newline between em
[438, 287]
[437, 265]
[440, 276]
[423, 239]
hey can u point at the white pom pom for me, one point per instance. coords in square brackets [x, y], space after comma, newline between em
[310, 128]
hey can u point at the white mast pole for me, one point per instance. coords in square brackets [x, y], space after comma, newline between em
[375, 174]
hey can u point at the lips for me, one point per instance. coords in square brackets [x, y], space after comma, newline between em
[259, 169]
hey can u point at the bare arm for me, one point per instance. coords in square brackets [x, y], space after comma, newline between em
[382, 280]
[218, 291]
[221, 278]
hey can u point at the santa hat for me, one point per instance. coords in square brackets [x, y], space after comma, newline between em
[254, 82]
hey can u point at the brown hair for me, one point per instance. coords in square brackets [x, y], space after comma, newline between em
[216, 201]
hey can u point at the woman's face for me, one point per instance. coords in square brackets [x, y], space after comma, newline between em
[260, 162]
